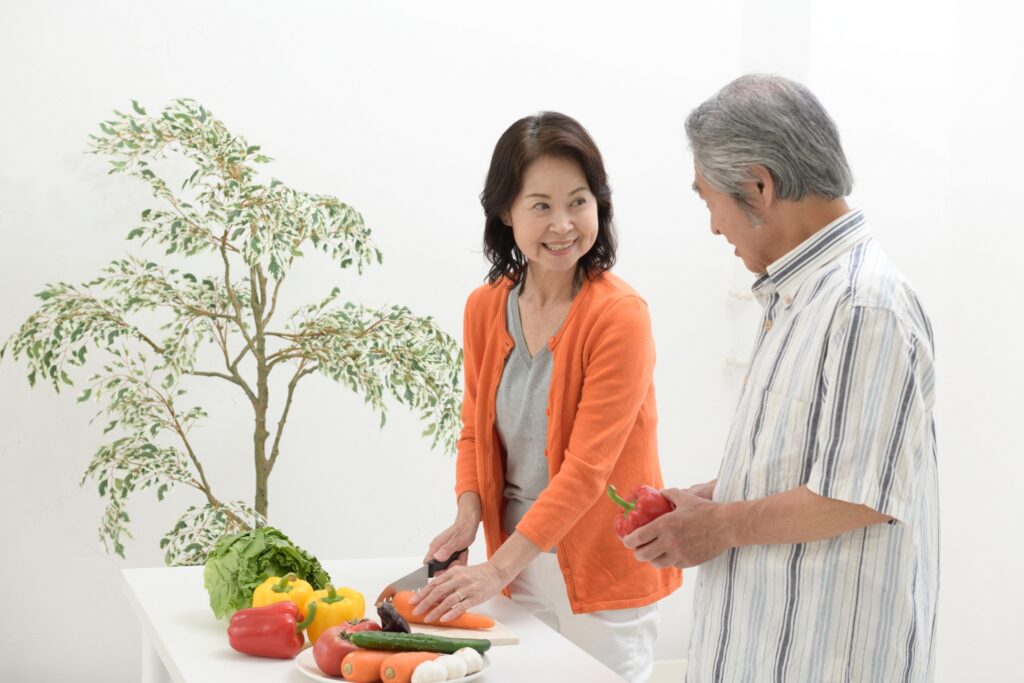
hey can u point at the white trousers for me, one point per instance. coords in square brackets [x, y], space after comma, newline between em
[621, 639]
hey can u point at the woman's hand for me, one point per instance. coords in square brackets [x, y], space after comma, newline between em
[458, 589]
[459, 535]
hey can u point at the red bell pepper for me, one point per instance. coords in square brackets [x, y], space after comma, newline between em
[269, 631]
[647, 504]
[333, 644]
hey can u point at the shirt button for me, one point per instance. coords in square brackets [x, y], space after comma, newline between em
[767, 325]
[788, 300]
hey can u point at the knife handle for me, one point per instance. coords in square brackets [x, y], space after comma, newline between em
[434, 566]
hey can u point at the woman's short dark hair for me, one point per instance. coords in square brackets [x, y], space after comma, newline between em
[547, 134]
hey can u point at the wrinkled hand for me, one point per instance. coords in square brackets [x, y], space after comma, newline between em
[449, 595]
[690, 535]
[705, 490]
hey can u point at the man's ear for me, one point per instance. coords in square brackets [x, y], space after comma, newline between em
[762, 187]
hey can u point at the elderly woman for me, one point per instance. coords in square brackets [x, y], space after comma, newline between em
[559, 401]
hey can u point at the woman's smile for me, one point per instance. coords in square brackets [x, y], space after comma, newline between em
[559, 248]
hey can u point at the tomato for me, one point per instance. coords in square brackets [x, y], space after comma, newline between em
[332, 645]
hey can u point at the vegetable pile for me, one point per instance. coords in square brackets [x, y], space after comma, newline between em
[239, 563]
[278, 595]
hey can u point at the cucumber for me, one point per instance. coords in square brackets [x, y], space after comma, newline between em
[415, 642]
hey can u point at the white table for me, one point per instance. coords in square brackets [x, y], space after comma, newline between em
[183, 642]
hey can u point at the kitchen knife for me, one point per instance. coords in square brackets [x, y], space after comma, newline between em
[417, 579]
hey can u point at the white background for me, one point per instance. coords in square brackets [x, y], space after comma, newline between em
[395, 108]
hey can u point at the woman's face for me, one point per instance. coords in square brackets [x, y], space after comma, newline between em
[554, 217]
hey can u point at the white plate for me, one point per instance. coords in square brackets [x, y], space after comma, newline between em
[307, 665]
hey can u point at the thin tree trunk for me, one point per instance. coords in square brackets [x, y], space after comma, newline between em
[258, 290]
[259, 437]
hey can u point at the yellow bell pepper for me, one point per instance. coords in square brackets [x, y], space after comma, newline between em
[288, 588]
[334, 606]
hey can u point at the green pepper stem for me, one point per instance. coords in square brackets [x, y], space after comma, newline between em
[626, 505]
[299, 626]
[284, 585]
[332, 595]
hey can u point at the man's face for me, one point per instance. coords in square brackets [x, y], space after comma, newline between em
[735, 224]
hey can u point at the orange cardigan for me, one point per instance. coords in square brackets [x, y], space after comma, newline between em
[602, 424]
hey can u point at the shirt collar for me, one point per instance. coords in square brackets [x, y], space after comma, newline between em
[787, 273]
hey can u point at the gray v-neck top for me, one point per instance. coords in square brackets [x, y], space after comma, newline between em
[521, 420]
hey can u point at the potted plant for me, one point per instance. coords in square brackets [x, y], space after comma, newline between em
[149, 322]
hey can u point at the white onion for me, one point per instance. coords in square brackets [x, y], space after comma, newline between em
[474, 662]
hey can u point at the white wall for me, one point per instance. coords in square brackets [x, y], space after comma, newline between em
[395, 108]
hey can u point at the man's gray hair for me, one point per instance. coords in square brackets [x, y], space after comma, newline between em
[772, 122]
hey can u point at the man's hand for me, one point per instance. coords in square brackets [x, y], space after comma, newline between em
[705, 490]
[700, 529]
[691, 534]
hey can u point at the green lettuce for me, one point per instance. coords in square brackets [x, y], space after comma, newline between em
[240, 562]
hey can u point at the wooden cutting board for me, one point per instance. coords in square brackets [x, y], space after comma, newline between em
[499, 635]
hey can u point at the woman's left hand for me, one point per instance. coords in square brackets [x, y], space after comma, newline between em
[457, 590]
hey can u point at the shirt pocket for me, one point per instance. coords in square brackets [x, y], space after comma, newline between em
[776, 439]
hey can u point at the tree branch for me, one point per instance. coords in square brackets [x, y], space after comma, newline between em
[135, 468]
[301, 372]
[288, 353]
[146, 339]
[221, 375]
[169, 405]
[231, 291]
[327, 332]
[201, 312]
[205, 485]
[209, 233]
[222, 341]
[258, 287]
[114, 318]
[273, 301]
[238, 359]
[234, 377]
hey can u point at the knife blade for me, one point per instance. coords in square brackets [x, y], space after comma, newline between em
[417, 579]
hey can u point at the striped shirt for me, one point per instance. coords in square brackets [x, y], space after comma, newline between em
[838, 397]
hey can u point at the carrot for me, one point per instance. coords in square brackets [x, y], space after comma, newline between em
[398, 668]
[363, 666]
[467, 620]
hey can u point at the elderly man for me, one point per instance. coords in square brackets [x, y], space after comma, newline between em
[818, 542]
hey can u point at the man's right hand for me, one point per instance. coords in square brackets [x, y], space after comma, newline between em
[693, 533]
[705, 490]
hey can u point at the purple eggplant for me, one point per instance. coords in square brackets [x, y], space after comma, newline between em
[390, 619]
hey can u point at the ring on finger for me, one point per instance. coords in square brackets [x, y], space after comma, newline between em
[459, 594]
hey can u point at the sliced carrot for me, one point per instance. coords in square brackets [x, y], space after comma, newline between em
[398, 668]
[363, 666]
[467, 620]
